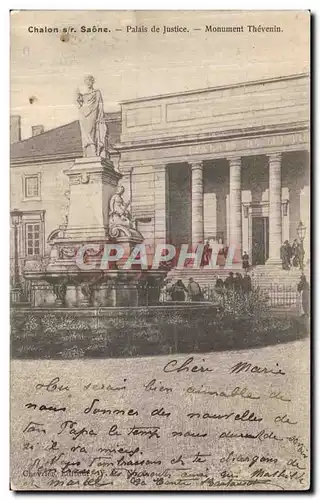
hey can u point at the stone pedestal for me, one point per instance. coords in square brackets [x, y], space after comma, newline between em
[92, 183]
[76, 275]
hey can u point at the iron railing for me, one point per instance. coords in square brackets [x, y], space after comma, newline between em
[275, 295]
[282, 295]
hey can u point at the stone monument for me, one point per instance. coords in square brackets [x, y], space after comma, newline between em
[97, 215]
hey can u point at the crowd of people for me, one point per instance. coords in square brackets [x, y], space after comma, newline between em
[235, 282]
[222, 253]
[178, 292]
[292, 255]
[221, 256]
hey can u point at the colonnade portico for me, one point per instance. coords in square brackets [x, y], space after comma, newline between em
[232, 129]
[235, 215]
[235, 222]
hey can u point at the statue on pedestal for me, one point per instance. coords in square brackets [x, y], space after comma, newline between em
[94, 129]
[121, 222]
[118, 209]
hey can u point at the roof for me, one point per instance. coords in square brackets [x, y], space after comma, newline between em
[218, 87]
[59, 143]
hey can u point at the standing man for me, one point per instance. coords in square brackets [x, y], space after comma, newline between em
[229, 281]
[301, 253]
[178, 291]
[245, 261]
[295, 253]
[194, 291]
[246, 284]
[304, 290]
[206, 256]
[288, 254]
[285, 253]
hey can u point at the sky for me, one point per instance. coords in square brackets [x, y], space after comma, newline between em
[130, 65]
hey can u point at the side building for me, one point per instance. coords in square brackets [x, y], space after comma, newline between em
[39, 187]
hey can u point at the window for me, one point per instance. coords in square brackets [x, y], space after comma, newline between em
[33, 239]
[32, 187]
[31, 235]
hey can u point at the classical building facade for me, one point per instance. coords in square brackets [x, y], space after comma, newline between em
[229, 164]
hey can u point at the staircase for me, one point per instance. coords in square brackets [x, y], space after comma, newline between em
[279, 286]
[265, 277]
[271, 276]
[204, 276]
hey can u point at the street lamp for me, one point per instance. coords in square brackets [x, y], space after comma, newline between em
[16, 289]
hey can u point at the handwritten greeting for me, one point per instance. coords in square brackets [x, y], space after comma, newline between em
[220, 421]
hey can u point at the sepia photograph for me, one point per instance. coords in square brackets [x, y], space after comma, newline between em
[160, 263]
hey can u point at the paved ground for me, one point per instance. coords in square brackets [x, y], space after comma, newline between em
[136, 375]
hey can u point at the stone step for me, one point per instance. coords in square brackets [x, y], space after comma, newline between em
[265, 277]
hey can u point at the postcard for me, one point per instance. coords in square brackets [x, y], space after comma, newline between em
[160, 250]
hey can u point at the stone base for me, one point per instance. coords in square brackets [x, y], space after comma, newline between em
[17, 297]
[42, 294]
[92, 182]
[87, 234]
[15, 294]
[96, 288]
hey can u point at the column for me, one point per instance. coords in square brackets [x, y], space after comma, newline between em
[197, 201]
[160, 204]
[275, 218]
[210, 215]
[235, 216]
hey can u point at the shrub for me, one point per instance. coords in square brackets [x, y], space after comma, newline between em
[239, 304]
[74, 352]
[31, 324]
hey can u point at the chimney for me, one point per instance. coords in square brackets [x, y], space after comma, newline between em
[37, 130]
[15, 128]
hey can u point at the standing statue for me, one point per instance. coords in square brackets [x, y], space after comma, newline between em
[94, 130]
